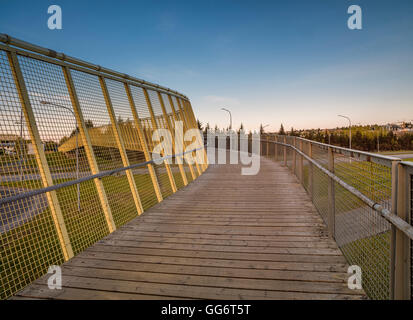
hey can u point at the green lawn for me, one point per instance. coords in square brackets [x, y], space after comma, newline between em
[372, 254]
[29, 249]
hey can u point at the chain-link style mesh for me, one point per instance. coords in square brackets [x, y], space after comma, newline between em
[362, 234]
[28, 238]
[43, 230]
[411, 241]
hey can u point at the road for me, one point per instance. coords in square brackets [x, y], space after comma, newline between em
[72, 175]
[403, 156]
[19, 212]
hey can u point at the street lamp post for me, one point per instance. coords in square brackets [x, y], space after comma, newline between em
[77, 147]
[21, 151]
[349, 125]
[230, 117]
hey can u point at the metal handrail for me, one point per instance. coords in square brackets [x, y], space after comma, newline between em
[402, 225]
[99, 175]
[8, 40]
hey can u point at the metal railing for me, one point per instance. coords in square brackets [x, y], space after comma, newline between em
[365, 200]
[67, 179]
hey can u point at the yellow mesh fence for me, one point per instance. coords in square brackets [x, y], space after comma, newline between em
[363, 234]
[60, 123]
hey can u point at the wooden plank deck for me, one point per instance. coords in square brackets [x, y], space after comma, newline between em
[225, 236]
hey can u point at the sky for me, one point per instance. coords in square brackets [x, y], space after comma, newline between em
[271, 62]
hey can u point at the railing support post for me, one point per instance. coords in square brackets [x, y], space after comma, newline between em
[301, 162]
[268, 146]
[190, 118]
[185, 126]
[310, 171]
[173, 142]
[144, 144]
[402, 244]
[155, 127]
[41, 160]
[331, 194]
[276, 148]
[84, 134]
[294, 164]
[121, 146]
[285, 152]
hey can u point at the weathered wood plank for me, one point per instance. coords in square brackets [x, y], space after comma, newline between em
[224, 236]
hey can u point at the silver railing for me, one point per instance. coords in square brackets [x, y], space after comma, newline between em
[365, 200]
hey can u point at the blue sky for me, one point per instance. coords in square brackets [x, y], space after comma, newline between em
[294, 62]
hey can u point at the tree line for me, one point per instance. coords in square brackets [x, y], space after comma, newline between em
[362, 139]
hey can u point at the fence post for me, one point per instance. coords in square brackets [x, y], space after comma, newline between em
[88, 149]
[191, 111]
[155, 127]
[276, 148]
[121, 145]
[268, 146]
[189, 124]
[191, 117]
[394, 180]
[144, 145]
[185, 127]
[401, 267]
[41, 160]
[310, 171]
[173, 142]
[301, 162]
[294, 164]
[331, 194]
[285, 151]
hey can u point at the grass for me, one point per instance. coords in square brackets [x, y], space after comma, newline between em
[29, 249]
[57, 161]
[396, 152]
[372, 253]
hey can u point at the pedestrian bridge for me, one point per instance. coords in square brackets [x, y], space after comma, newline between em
[124, 226]
[225, 236]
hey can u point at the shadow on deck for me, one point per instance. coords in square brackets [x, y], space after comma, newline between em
[225, 236]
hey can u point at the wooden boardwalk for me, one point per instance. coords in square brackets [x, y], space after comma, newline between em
[225, 236]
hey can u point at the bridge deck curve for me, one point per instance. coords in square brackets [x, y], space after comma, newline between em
[225, 236]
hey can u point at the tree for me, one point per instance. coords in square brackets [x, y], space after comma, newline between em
[199, 124]
[282, 131]
[207, 128]
[50, 146]
[88, 124]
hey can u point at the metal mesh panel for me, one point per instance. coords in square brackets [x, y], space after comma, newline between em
[411, 241]
[162, 124]
[306, 167]
[363, 236]
[372, 179]
[320, 193]
[134, 151]
[28, 238]
[41, 145]
[361, 233]
[180, 118]
[105, 148]
[144, 114]
[53, 112]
